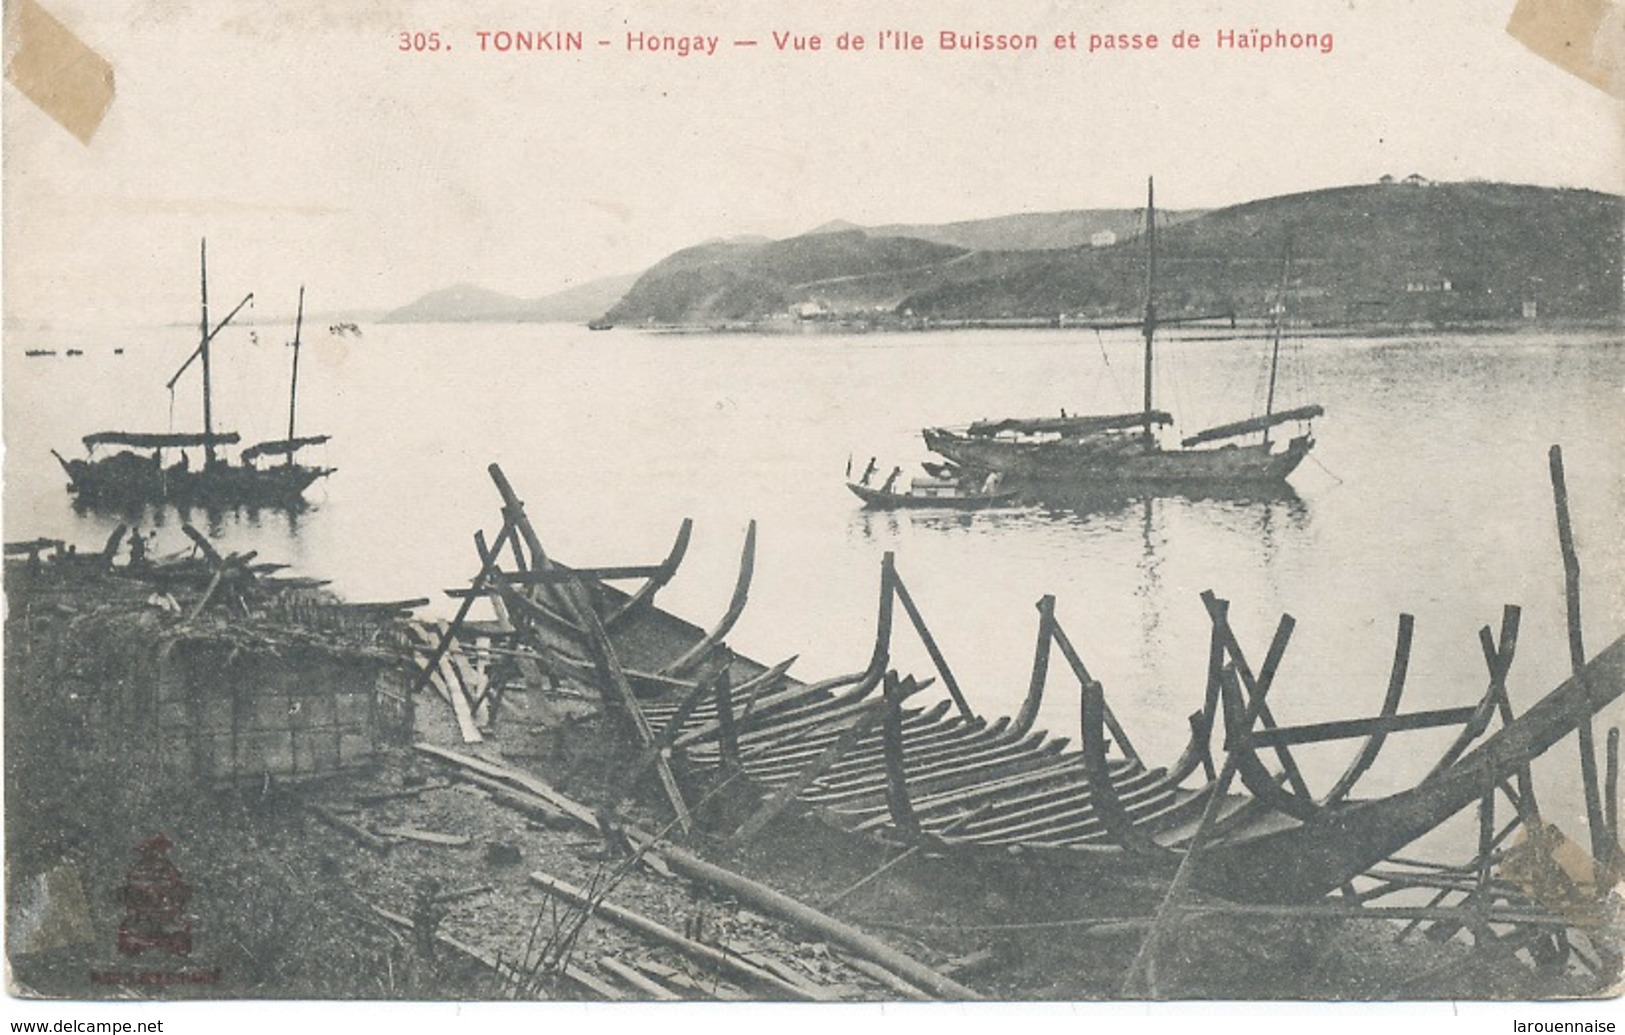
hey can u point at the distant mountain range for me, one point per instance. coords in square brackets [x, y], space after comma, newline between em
[467, 303]
[1389, 252]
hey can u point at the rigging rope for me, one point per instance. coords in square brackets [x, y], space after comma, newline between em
[1105, 357]
[1323, 467]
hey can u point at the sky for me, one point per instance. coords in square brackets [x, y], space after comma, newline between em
[309, 149]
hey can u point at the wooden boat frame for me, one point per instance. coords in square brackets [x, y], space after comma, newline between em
[855, 749]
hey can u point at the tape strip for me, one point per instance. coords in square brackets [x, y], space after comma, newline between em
[1585, 38]
[53, 68]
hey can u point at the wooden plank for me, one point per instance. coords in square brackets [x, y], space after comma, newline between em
[559, 573]
[514, 777]
[1083, 817]
[1161, 814]
[430, 837]
[638, 980]
[781, 798]
[965, 795]
[617, 680]
[919, 729]
[707, 730]
[487, 566]
[864, 756]
[809, 720]
[984, 745]
[958, 764]
[957, 773]
[782, 759]
[1344, 728]
[1125, 774]
[1059, 804]
[931, 648]
[1073, 659]
[458, 694]
[472, 679]
[923, 735]
[506, 969]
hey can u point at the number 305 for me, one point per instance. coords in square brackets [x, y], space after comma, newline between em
[420, 41]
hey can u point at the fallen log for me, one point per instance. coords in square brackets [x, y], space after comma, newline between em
[765, 898]
[634, 921]
[650, 988]
[741, 887]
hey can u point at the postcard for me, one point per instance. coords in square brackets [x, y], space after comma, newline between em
[901, 503]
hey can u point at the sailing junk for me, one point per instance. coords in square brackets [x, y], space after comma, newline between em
[137, 474]
[1122, 449]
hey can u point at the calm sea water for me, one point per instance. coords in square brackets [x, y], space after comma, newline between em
[1428, 493]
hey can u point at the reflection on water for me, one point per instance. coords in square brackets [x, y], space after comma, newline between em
[212, 518]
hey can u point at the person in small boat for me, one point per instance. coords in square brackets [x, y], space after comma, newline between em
[868, 472]
[891, 479]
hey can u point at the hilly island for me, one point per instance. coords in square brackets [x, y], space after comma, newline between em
[1396, 252]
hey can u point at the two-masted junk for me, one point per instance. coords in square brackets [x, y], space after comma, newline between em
[155, 467]
[1123, 449]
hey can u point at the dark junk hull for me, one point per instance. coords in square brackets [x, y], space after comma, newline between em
[1121, 460]
[129, 478]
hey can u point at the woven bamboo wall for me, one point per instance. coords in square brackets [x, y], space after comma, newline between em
[229, 714]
